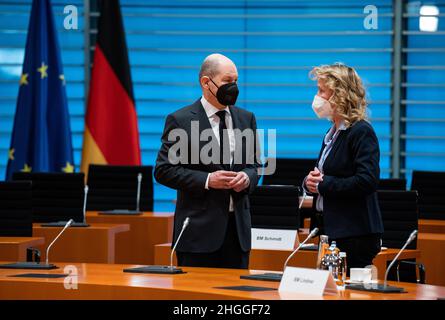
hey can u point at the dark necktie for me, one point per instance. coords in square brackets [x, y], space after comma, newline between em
[224, 143]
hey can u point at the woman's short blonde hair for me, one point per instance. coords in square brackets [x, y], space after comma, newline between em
[349, 95]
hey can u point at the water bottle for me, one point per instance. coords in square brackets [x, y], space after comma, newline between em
[343, 270]
[323, 246]
[331, 261]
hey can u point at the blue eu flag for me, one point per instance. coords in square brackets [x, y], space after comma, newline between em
[41, 137]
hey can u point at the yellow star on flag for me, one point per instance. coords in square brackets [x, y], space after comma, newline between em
[68, 168]
[26, 168]
[11, 154]
[42, 70]
[23, 79]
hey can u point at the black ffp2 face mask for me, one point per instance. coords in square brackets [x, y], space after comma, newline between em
[227, 93]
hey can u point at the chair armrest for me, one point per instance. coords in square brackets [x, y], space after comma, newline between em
[419, 266]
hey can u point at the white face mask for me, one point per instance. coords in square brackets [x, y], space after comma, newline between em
[322, 107]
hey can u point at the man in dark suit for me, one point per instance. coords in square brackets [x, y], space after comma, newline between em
[213, 194]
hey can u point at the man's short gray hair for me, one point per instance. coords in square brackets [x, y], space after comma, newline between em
[209, 67]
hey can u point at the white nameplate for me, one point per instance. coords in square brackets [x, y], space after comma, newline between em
[273, 239]
[307, 281]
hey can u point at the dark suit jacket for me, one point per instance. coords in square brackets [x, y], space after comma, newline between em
[351, 176]
[208, 209]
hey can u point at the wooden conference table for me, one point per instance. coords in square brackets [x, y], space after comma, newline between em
[431, 226]
[432, 248]
[95, 243]
[14, 248]
[430, 241]
[107, 281]
[261, 259]
[146, 230]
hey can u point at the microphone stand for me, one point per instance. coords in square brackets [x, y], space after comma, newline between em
[128, 212]
[170, 269]
[82, 224]
[37, 265]
[68, 224]
[385, 288]
[276, 277]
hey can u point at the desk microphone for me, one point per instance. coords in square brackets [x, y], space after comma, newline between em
[68, 224]
[310, 236]
[163, 269]
[385, 288]
[411, 237]
[127, 211]
[302, 199]
[82, 224]
[138, 194]
[36, 265]
[85, 197]
[269, 276]
[184, 226]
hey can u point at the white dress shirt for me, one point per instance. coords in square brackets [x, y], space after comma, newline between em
[214, 123]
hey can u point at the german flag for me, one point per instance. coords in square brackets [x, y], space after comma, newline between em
[111, 129]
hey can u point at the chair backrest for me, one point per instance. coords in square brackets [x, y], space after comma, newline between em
[15, 209]
[115, 187]
[392, 184]
[290, 171]
[55, 196]
[400, 217]
[431, 188]
[275, 207]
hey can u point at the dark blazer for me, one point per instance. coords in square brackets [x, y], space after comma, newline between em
[351, 176]
[208, 209]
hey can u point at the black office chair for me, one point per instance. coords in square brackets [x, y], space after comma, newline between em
[290, 171]
[16, 213]
[15, 209]
[275, 207]
[431, 188]
[399, 211]
[56, 196]
[392, 184]
[115, 187]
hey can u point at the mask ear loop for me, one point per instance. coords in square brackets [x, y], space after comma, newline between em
[213, 82]
[215, 86]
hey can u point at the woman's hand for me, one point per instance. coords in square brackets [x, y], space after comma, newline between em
[313, 179]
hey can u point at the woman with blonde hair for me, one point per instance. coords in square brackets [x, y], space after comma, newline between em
[345, 178]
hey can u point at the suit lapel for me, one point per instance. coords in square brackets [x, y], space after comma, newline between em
[323, 145]
[335, 147]
[235, 118]
[199, 114]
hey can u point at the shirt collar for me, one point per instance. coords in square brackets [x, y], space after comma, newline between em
[342, 126]
[329, 136]
[210, 109]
